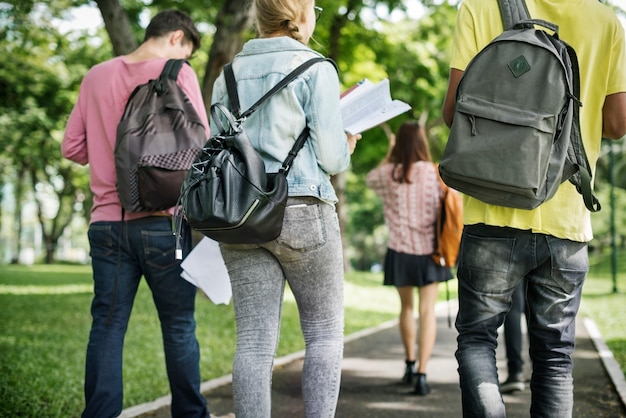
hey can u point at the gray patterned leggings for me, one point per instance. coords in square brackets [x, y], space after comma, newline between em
[307, 256]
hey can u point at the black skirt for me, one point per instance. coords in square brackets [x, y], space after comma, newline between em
[413, 270]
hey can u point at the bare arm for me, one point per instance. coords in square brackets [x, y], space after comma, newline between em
[614, 116]
[450, 100]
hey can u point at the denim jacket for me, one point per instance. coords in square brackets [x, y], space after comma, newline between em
[310, 100]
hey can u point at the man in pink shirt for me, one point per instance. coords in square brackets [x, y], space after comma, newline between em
[143, 244]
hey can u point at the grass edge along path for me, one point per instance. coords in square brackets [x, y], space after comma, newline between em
[605, 307]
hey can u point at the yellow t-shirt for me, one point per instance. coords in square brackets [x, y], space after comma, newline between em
[597, 36]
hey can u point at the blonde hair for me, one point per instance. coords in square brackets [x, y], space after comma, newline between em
[275, 17]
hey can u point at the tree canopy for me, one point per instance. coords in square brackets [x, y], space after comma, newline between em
[406, 41]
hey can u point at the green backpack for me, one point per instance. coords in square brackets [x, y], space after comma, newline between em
[516, 134]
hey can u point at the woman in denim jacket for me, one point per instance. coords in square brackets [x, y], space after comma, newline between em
[308, 253]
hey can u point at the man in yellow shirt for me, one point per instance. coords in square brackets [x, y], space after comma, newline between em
[548, 245]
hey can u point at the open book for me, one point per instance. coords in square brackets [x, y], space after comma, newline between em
[366, 105]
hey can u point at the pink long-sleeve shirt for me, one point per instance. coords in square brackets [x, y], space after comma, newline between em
[91, 129]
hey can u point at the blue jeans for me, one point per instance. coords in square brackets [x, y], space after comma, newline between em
[307, 256]
[121, 254]
[493, 260]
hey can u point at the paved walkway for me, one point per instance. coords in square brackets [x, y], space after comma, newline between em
[374, 362]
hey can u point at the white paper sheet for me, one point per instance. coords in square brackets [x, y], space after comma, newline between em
[205, 269]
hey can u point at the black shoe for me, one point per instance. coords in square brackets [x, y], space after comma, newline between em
[409, 373]
[421, 386]
[515, 383]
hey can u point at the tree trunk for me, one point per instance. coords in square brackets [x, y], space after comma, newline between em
[51, 248]
[117, 26]
[233, 20]
[339, 180]
[52, 229]
[17, 214]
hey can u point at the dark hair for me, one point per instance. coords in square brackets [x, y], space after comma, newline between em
[411, 146]
[171, 20]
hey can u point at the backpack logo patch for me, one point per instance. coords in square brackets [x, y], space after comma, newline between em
[519, 66]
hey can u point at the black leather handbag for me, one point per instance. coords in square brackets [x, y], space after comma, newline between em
[227, 194]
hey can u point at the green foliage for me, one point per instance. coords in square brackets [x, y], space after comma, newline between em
[37, 91]
[601, 221]
[604, 165]
[610, 168]
[366, 230]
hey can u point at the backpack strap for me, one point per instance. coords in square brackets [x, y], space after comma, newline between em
[172, 68]
[444, 190]
[170, 72]
[512, 11]
[297, 146]
[577, 168]
[231, 87]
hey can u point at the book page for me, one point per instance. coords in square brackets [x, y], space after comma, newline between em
[367, 105]
[378, 116]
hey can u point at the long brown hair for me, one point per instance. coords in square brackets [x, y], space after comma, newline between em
[411, 145]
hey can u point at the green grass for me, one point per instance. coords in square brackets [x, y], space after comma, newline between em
[45, 321]
[606, 307]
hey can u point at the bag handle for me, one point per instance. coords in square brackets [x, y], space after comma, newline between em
[232, 122]
[530, 23]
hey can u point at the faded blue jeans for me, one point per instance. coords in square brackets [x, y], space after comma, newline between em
[307, 256]
[493, 260]
[121, 254]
